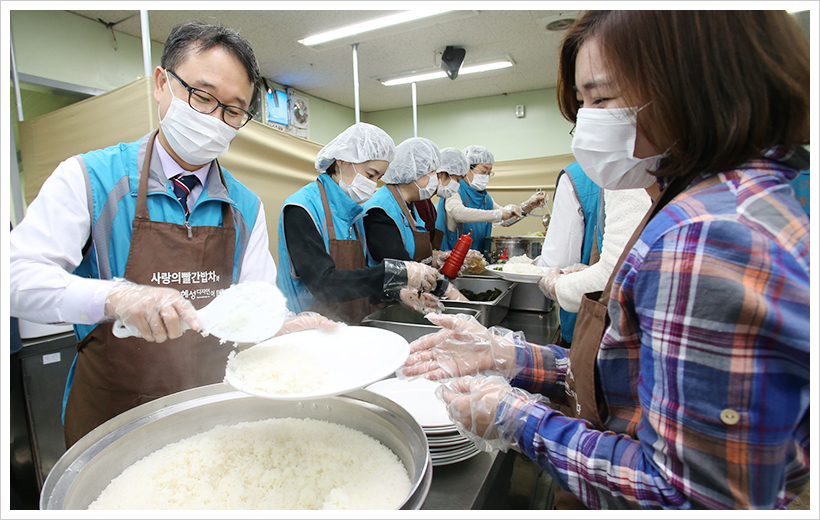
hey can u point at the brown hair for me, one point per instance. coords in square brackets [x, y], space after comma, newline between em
[722, 86]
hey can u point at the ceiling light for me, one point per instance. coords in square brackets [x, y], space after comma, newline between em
[416, 76]
[378, 27]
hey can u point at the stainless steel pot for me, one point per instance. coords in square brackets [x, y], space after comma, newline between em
[514, 246]
[87, 468]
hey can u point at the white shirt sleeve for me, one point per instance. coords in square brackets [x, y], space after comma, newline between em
[564, 240]
[258, 264]
[460, 213]
[46, 247]
[624, 211]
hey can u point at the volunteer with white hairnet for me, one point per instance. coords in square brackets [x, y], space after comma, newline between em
[452, 167]
[474, 210]
[392, 226]
[322, 236]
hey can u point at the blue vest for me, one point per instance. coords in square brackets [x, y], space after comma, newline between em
[112, 182]
[385, 200]
[801, 189]
[346, 214]
[588, 194]
[471, 199]
[113, 177]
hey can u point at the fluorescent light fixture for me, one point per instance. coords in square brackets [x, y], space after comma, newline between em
[416, 76]
[371, 25]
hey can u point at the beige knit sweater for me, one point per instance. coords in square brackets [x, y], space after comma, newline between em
[624, 211]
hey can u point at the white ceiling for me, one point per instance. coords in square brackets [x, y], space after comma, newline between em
[328, 74]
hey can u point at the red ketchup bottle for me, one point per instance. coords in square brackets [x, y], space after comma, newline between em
[457, 256]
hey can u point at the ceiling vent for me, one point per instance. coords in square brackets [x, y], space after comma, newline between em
[560, 22]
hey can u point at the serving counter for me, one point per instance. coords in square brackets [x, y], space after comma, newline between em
[469, 484]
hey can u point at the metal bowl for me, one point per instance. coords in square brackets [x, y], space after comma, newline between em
[87, 468]
[514, 246]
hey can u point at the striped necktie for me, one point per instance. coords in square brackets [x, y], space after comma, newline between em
[183, 184]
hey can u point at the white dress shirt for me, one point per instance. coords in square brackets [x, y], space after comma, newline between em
[46, 247]
[564, 239]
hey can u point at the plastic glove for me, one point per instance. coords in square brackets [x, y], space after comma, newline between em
[453, 294]
[423, 303]
[439, 259]
[573, 268]
[509, 211]
[463, 347]
[537, 200]
[488, 411]
[474, 263]
[307, 321]
[421, 277]
[547, 282]
[158, 313]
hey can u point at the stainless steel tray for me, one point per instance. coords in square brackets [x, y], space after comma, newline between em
[408, 323]
[492, 312]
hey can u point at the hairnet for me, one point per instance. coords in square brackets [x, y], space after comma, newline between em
[453, 161]
[415, 157]
[360, 143]
[477, 154]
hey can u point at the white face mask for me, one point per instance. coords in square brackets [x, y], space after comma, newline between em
[195, 137]
[429, 190]
[361, 189]
[448, 190]
[604, 144]
[480, 181]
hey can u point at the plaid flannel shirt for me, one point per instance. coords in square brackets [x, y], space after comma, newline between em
[705, 365]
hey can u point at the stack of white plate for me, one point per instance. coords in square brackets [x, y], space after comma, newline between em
[418, 397]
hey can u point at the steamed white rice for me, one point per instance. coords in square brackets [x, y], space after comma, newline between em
[523, 268]
[277, 369]
[522, 259]
[271, 464]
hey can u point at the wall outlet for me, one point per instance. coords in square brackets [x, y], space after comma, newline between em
[519, 111]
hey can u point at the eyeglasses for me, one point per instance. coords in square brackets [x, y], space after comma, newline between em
[491, 173]
[205, 103]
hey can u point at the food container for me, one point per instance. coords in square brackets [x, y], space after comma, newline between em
[408, 323]
[528, 297]
[514, 245]
[492, 312]
[87, 468]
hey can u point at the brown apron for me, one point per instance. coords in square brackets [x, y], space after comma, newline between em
[582, 380]
[113, 375]
[347, 254]
[424, 249]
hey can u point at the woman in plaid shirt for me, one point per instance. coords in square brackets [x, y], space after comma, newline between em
[700, 382]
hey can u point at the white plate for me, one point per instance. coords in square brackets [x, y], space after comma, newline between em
[418, 398]
[515, 277]
[453, 460]
[353, 357]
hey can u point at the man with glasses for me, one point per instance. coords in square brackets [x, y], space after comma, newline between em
[473, 210]
[145, 233]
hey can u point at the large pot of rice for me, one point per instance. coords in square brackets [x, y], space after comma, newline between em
[105, 456]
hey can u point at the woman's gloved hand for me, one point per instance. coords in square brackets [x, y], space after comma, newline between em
[487, 410]
[439, 259]
[547, 282]
[421, 277]
[509, 211]
[423, 303]
[307, 321]
[573, 268]
[453, 294]
[158, 313]
[463, 347]
[537, 200]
